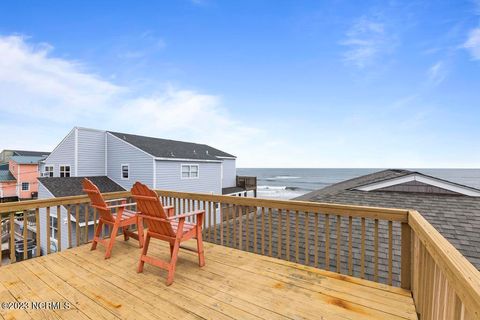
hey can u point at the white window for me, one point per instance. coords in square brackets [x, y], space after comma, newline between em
[53, 227]
[189, 171]
[125, 171]
[64, 171]
[25, 186]
[48, 171]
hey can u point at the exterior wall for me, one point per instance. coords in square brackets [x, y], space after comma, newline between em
[91, 152]
[8, 189]
[168, 177]
[43, 193]
[24, 173]
[141, 164]
[229, 176]
[64, 154]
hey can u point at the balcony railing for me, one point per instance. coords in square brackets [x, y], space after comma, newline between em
[391, 246]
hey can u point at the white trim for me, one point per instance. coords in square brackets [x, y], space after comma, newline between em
[64, 165]
[465, 190]
[154, 174]
[121, 171]
[75, 153]
[189, 171]
[130, 144]
[182, 159]
[106, 153]
[232, 158]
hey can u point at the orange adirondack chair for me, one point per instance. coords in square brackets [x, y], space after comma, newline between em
[167, 227]
[123, 218]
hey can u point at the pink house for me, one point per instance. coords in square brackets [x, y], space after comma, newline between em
[19, 180]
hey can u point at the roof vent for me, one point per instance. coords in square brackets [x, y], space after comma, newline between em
[206, 151]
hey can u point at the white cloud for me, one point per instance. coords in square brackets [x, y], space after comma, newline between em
[366, 41]
[437, 73]
[473, 43]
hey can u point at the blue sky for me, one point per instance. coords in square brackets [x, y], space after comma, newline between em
[277, 83]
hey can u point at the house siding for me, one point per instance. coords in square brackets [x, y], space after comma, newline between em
[140, 163]
[63, 154]
[168, 177]
[43, 193]
[229, 178]
[91, 152]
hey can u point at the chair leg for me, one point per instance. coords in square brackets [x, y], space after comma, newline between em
[141, 263]
[173, 262]
[97, 235]
[201, 253]
[125, 233]
[113, 235]
[140, 231]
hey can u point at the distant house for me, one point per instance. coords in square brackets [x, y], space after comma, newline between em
[453, 209]
[116, 160]
[6, 154]
[18, 177]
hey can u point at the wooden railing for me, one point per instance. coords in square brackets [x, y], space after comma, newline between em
[392, 246]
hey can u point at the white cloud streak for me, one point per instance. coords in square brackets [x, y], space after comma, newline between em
[473, 43]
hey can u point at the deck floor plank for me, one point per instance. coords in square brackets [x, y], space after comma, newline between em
[232, 285]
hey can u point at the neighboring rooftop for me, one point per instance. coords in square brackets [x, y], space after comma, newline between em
[6, 175]
[30, 153]
[444, 204]
[164, 148]
[27, 159]
[72, 186]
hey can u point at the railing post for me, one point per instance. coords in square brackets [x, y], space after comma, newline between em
[406, 257]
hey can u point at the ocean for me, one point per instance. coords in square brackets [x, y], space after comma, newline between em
[290, 183]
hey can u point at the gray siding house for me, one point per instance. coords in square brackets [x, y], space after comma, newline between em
[121, 159]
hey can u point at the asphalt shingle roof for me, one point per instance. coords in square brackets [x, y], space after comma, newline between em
[72, 186]
[6, 175]
[164, 148]
[27, 159]
[30, 153]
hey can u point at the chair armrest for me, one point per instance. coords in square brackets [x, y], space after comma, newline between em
[170, 210]
[152, 218]
[112, 200]
[123, 205]
[188, 214]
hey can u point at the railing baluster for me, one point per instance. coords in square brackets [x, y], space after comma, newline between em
[255, 229]
[87, 214]
[307, 236]
[69, 226]
[59, 229]
[287, 230]
[270, 233]
[240, 230]
[315, 246]
[279, 230]
[339, 239]
[296, 237]
[227, 217]
[234, 220]
[247, 228]
[215, 222]
[77, 224]
[375, 270]
[220, 208]
[263, 230]
[37, 228]
[350, 244]
[47, 225]
[12, 237]
[362, 257]
[327, 242]
[390, 251]
[25, 235]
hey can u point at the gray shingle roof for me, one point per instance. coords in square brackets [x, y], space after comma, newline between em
[6, 175]
[456, 217]
[30, 153]
[27, 159]
[72, 186]
[164, 148]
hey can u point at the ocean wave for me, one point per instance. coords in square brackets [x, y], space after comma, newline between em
[277, 188]
[282, 178]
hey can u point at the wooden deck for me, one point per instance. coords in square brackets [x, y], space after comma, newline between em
[233, 284]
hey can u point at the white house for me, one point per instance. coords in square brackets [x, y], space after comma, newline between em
[114, 161]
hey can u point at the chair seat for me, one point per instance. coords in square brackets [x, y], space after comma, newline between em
[127, 214]
[186, 226]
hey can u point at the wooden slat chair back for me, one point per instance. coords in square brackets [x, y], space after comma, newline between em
[164, 225]
[122, 218]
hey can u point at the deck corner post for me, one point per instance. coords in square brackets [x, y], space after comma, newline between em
[406, 258]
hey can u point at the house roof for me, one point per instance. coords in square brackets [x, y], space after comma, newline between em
[72, 186]
[30, 153]
[455, 216]
[4, 166]
[5, 175]
[172, 149]
[28, 159]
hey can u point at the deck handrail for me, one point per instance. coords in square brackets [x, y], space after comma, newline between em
[442, 281]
